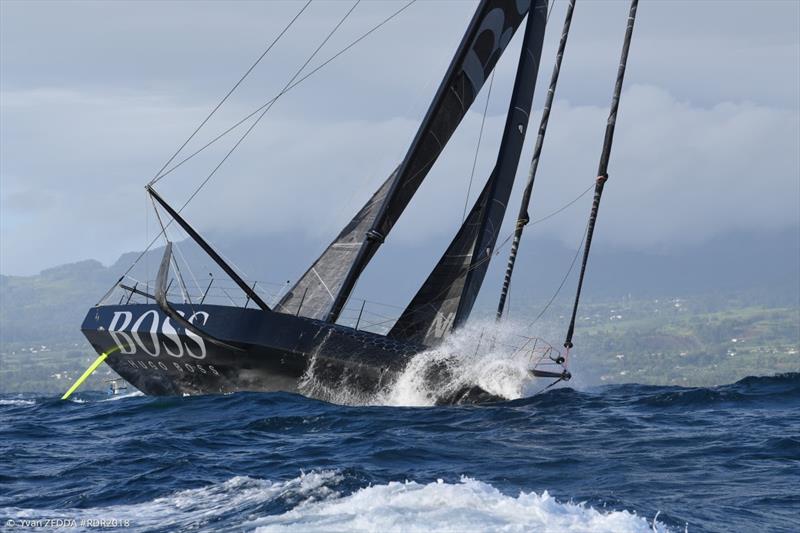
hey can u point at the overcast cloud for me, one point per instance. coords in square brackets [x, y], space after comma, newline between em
[95, 96]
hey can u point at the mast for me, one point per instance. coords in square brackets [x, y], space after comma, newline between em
[523, 218]
[447, 296]
[326, 286]
[209, 250]
[602, 171]
[490, 17]
[519, 110]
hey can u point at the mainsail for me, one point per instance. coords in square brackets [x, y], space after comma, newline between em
[446, 298]
[322, 291]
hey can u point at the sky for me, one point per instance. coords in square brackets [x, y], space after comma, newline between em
[96, 96]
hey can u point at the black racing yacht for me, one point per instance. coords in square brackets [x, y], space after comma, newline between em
[164, 340]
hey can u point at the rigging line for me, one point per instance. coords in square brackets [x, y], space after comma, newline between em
[235, 146]
[602, 170]
[189, 267]
[146, 236]
[295, 84]
[478, 147]
[264, 112]
[184, 290]
[523, 217]
[562, 208]
[225, 292]
[563, 280]
[158, 175]
[499, 248]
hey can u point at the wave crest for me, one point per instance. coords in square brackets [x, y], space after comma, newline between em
[314, 503]
[470, 505]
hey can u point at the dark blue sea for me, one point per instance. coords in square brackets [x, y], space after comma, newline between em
[617, 458]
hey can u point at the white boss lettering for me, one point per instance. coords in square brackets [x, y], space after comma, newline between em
[153, 333]
[123, 341]
[172, 343]
[172, 335]
[195, 337]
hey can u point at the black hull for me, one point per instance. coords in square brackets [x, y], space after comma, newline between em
[267, 351]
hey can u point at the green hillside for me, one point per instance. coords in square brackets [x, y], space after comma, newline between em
[695, 340]
[692, 348]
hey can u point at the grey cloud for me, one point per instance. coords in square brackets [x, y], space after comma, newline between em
[95, 95]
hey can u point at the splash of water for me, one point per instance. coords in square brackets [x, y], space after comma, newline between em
[484, 356]
[18, 403]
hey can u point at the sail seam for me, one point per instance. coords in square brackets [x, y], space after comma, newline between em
[314, 270]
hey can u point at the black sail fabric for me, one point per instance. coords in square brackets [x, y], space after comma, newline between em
[322, 291]
[430, 315]
[445, 300]
[313, 295]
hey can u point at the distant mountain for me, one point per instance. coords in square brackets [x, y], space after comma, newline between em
[763, 268]
[50, 305]
[701, 315]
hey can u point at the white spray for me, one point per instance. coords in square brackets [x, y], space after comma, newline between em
[485, 354]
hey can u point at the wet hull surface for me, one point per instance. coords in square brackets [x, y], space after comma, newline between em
[264, 352]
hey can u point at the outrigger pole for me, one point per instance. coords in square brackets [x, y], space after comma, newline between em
[88, 372]
[602, 172]
[523, 218]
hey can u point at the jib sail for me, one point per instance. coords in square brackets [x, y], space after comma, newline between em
[446, 298]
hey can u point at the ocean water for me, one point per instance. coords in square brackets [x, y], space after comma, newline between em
[618, 459]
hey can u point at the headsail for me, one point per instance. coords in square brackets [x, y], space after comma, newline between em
[325, 287]
[446, 298]
[430, 315]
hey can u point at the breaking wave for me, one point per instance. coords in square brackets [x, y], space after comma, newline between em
[466, 506]
[718, 459]
[18, 403]
[485, 356]
[316, 501]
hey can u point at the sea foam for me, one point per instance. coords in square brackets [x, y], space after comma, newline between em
[466, 506]
[316, 504]
[483, 354]
[18, 403]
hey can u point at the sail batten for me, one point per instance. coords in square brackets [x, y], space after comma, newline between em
[326, 286]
